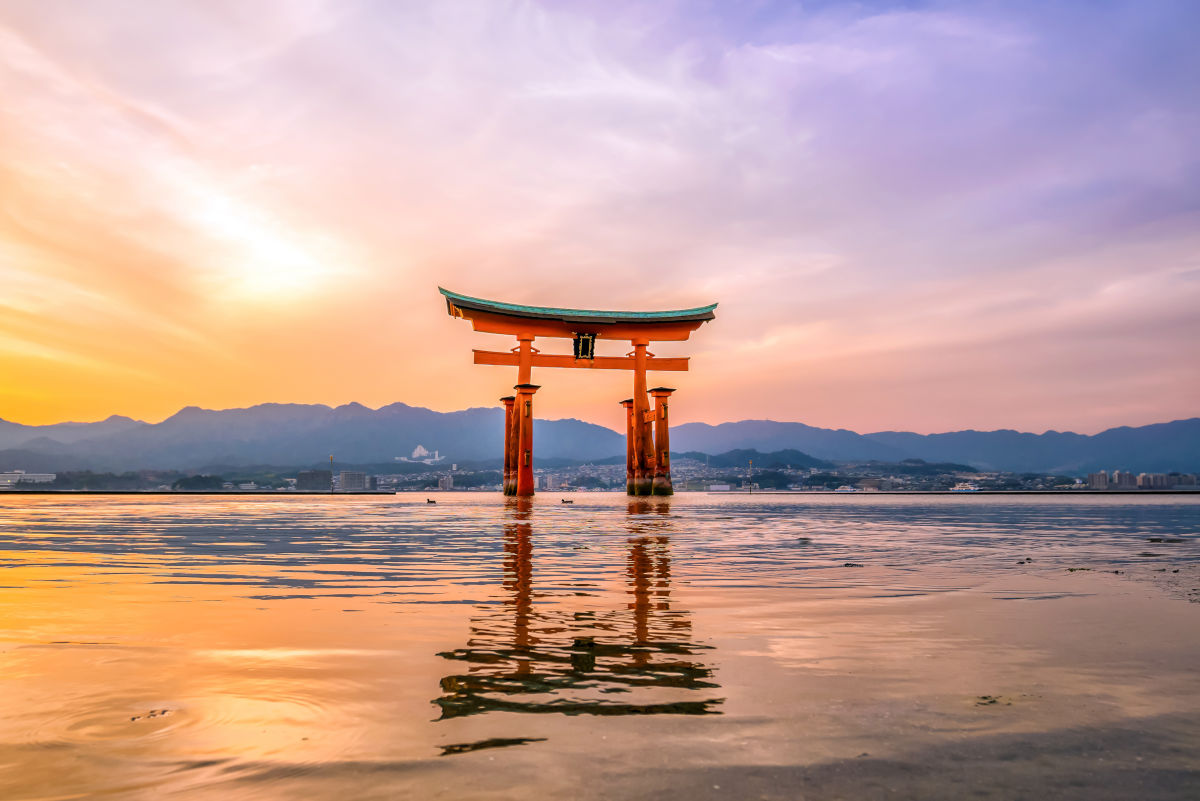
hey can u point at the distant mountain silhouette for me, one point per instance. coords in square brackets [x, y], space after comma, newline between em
[300, 434]
[15, 434]
[1160, 447]
[769, 435]
[290, 434]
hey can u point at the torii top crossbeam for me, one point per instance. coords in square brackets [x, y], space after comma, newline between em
[647, 465]
[494, 317]
[529, 322]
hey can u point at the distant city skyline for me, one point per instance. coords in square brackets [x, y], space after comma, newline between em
[919, 216]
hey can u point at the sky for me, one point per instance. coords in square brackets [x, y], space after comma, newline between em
[914, 216]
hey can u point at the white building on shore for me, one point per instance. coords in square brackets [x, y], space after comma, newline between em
[10, 479]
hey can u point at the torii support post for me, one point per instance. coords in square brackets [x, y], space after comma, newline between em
[510, 451]
[662, 443]
[629, 467]
[512, 448]
[524, 412]
[524, 353]
[643, 438]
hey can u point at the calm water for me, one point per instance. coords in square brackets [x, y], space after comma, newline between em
[709, 646]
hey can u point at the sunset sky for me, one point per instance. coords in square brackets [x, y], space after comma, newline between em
[918, 216]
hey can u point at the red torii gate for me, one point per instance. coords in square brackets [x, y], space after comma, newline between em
[647, 452]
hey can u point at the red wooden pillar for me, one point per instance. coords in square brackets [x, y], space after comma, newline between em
[643, 441]
[629, 465]
[524, 411]
[662, 443]
[512, 452]
[521, 450]
[525, 351]
[510, 486]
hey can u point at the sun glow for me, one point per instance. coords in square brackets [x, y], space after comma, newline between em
[256, 256]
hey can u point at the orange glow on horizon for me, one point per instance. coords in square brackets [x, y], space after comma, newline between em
[195, 214]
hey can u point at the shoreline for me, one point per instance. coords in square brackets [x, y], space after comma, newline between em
[1132, 493]
[288, 493]
[272, 493]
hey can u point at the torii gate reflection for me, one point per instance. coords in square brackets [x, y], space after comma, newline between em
[534, 657]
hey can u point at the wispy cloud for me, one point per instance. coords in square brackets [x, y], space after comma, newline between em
[940, 200]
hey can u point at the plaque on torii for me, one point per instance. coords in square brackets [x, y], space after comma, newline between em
[647, 452]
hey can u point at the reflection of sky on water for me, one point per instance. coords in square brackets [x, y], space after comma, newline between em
[402, 551]
[298, 644]
[555, 652]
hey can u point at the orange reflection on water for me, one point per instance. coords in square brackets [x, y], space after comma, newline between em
[314, 648]
[124, 673]
[576, 656]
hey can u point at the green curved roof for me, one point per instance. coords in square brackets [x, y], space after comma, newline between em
[576, 315]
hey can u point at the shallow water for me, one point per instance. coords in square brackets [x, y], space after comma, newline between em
[709, 646]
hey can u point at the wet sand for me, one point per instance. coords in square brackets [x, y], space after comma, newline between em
[703, 648]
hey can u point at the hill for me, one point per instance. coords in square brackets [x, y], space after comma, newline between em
[295, 434]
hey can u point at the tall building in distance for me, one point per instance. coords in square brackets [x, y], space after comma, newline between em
[1127, 480]
[318, 480]
[352, 481]
[1123, 479]
[1154, 481]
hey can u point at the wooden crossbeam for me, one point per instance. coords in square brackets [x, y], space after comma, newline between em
[672, 364]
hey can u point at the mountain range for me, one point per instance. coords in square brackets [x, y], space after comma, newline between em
[304, 434]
